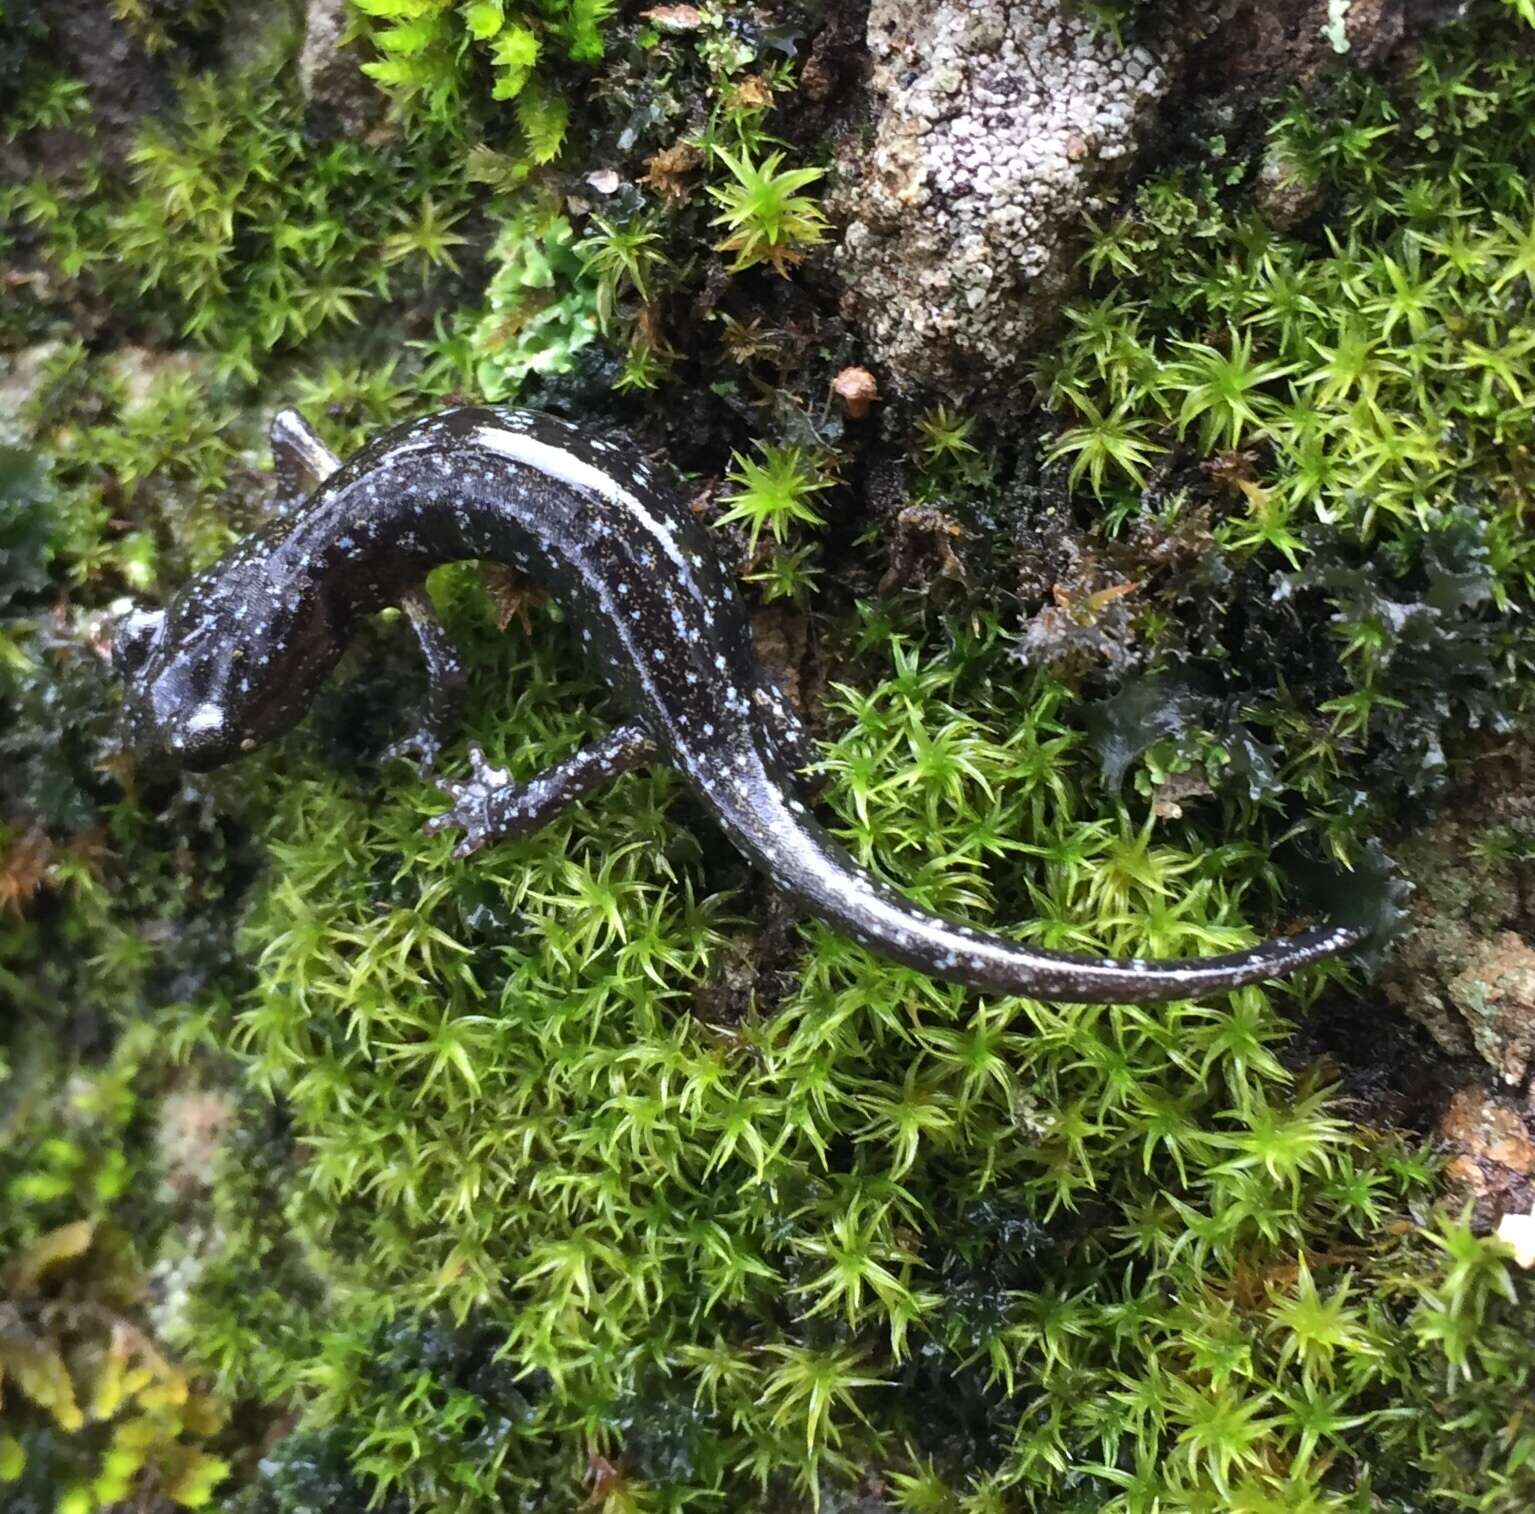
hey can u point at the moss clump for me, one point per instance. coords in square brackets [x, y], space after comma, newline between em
[542, 310]
[742, 1240]
[431, 51]
[219, 233]
[1348, 408]
[157, 25]
[103, 1417]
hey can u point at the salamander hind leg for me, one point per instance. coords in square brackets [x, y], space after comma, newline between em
[489, 806]
[439, 716]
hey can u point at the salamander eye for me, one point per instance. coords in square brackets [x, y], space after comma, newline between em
[135, 638]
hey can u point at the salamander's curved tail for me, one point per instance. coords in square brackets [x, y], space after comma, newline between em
[755, 806]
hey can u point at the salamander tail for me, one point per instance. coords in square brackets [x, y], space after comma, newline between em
[756, 807]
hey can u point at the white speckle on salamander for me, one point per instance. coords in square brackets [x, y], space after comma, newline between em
[578, 472]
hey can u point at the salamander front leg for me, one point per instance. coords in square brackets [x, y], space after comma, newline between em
[490, 807]
[302, 461]
[444, 705]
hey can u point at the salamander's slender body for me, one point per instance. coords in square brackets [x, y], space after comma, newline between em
[237, 657]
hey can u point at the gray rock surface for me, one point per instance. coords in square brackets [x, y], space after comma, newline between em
[341, 98]
[997, 122]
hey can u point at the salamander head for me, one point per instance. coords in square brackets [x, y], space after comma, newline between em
[231, 663]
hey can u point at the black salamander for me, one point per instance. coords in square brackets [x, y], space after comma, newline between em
[238, 655]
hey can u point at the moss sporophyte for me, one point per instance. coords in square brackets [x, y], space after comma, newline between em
[238, 655]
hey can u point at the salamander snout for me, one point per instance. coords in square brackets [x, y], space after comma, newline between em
[170, 701]
[200, 738]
